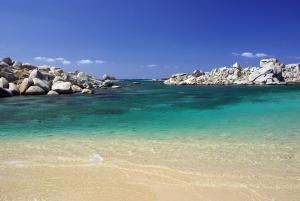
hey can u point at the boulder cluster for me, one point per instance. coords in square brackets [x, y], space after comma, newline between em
[17, 78]
[270, 72]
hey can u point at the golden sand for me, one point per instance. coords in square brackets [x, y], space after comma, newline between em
[144, 170]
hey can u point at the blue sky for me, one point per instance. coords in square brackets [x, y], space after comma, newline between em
[149, 38]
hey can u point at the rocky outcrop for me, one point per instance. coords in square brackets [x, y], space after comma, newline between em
[270, 72]
[28, 79]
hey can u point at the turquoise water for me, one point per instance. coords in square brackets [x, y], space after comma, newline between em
[154, 110]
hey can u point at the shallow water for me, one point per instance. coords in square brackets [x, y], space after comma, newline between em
[153, 110]
[147, 141]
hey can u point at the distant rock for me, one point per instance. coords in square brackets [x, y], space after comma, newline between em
[35, 90]
[197, 73]
[5, 93]
[3, 82]
[3, 64]
[107, 77]
[82, 76]
[270, 72]
[8, 61]
[17, 65]
[26, 83]
[62, 87]
[107, 83]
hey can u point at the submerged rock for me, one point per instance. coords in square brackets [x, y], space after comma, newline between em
[52, 93]
[87, 91]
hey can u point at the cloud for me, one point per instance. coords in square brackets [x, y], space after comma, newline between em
[88, 61]
[250, 54]
[84, 61]
[51, 60]
[152, 65]
[100, 61]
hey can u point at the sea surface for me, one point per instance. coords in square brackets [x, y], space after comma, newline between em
[154, 110]
[151, 141]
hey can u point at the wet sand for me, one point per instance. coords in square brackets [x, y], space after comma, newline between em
[81, 169]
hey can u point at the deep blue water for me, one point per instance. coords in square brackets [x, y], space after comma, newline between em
[154, 110]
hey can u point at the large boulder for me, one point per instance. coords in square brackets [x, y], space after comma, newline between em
[26, 83]
[36, 74]
[35, 90]
[8, 61]
[28, 66]
[3, 82]
[13, 88]
[62, 87]
[41, 83]
[5, 93]
[57, 78]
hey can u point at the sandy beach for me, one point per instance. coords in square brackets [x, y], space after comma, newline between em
[144, 170]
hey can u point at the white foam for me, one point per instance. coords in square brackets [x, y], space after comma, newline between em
[96, 158]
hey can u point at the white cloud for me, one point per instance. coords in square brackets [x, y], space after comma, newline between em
[100, 61]
[84, 61]
[152, 65]
[250, 54]
[51, 60]
[66, 62]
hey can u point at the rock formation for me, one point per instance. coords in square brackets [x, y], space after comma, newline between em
[17, 78]
[270, 72]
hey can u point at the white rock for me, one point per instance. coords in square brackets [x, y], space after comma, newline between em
[3, 82]
[62, 87]
[26, 83]
[41, 83]
[52, 93]
[87, 91]
[76, 88]
[13, 88]
[35, 90]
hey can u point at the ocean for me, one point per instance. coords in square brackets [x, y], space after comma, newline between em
[238, 141]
